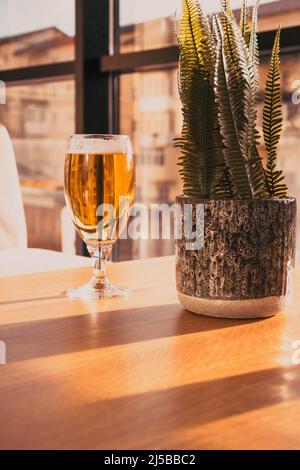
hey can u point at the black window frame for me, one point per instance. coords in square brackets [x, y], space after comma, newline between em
[98, 65]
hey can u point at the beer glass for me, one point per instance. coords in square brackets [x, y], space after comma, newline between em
[99, 190]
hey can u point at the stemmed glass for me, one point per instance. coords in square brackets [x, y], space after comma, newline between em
[99, 190]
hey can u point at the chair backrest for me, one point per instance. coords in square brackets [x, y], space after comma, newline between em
[13, 233]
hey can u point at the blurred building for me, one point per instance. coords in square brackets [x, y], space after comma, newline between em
[44, 46]
[40, 117]
[151, 112]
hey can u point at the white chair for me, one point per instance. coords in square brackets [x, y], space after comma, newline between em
[13, 232]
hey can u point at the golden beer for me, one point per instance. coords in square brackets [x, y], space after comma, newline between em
[99, 190]
[95, 181]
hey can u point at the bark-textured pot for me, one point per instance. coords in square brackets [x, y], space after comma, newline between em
[245, 266]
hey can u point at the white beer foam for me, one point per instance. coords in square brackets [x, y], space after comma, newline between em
[99, 144]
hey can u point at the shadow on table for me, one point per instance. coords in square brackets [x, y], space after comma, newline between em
[36, 299]
[55, 336]
[169, 418]
[190, 406]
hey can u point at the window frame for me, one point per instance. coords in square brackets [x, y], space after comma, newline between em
[98, 65]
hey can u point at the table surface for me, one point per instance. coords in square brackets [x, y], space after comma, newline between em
[141, 373]
[17, 262]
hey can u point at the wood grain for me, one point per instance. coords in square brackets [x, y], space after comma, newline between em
[141, 373]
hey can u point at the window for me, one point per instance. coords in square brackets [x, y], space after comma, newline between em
[153, 121]
[39, 120]
[34, 32]
[288, 153]
[151, 157]
[130, 87]
[150, 25]
[279, 12]
[39, 113]
[157, 123]
[153, 118]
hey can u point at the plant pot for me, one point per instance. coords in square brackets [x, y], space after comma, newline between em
[244, 267]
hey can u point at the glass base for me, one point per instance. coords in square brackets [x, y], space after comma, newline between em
[90, 292]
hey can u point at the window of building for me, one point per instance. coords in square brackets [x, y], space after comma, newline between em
[150, 157]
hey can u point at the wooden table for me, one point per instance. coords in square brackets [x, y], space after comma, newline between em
[17, 262]
[141, 373]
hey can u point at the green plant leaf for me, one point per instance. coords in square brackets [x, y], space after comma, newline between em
[253, 43]
[272, 122]
[242, 91]
[202, 162]
[235, 161]
[245, 22]
[218, 83]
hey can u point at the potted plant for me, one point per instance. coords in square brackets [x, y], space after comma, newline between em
[244, 268]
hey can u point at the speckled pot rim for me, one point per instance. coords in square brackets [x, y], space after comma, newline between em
[238, 309]
[194, 200]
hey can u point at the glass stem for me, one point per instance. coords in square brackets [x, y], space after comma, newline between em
[100, 257]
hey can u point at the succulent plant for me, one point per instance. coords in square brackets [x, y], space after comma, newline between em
[218, 83]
